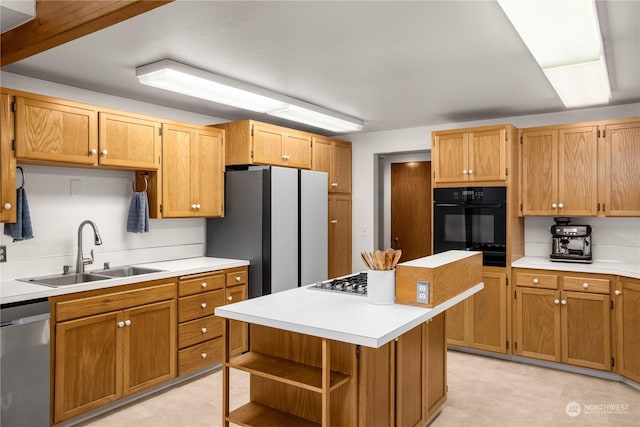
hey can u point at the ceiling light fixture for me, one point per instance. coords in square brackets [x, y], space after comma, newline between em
[184, 79]
[564, 38]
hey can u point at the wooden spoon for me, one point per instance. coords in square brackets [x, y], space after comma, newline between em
[388, 257]
[396, 258]
[378, 258]
[366, 260]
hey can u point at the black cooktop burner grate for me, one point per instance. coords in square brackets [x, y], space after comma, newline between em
[355, 284]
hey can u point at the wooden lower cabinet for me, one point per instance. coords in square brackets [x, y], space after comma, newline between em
[627, 306]
[481, 321]
[108, 346]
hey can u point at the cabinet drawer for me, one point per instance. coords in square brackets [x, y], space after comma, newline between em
[546, 281]
[199, 355]
[199, 305]
[585, 284]
[199, 330]
[200, 284]
[237, 278]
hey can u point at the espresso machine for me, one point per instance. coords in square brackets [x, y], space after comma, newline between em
[570, 243]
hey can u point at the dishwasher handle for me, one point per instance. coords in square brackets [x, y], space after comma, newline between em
[25, 320]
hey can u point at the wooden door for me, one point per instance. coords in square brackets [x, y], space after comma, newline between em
[7, 163]
[341, 167]
[487, 155]
[149, 346]
[578, 171]
[55, 131]
[267, 145]
[128, 141]
[88, 364]
[411, 209]
[538, 323]
[339, 235]
[539, 172]
[207, 169]
[238, 332]
[297, 149]
[450, 158]
[176, 171]
[456, 325]
[627, 322]
[488, 314]
[586, 330]
[410, 371]
[321, 157]
[622, 174]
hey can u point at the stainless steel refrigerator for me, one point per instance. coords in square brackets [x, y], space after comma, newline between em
[277, 218]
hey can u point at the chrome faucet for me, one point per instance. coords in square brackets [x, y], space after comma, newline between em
[81, 261]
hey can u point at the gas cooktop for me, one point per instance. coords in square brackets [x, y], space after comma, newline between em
[355, 284]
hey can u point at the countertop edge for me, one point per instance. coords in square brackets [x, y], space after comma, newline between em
[618, 268]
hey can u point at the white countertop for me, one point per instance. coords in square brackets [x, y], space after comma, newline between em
[438, 260]
[334, 315]
[619, 268]
[16, 291]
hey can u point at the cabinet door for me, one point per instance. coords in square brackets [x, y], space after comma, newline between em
[436, 358]
[176, 171]
[339, 235]
[128, 141]
[538, 323]
[577, 171]
[7, 163]
[487, 155]
[341, 167]
[297, 149]
[321, 157]
[450, 158]
[237, 330]
[456, 326]
[622, 174]
[207, 169]
[88, 364]
[411, 396]
[149, 346]
[55, 132]
[267, 145]
[488, 314]
[628, 321]
[586, 330]
[539, 172]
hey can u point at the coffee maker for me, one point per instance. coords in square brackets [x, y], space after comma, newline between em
[570, 243]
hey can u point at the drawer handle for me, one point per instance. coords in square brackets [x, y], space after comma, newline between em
[563, 302]
[120, 324]
[204, 330]
[617, 292]
[334, 221]
[238, 278]
[203, 305]
[127, 322]
[556, 301]
[204, 285]
[536, 281]
[229, 298]
[585, 285]
[334, 184]
[203, 355]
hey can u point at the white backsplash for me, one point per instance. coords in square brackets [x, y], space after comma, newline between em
[615, 239]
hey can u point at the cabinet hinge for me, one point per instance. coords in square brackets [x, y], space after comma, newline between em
[603, 133]
[520, 139]
[160, 208]
[13, 106]
[515, 345]
[520, 207]
[357, 351]
[251, 154]
[251, 131]
[603, 207]
[506, 136]
[13, 144]
[507, 344]
[506, 281]
[506, 172]
[611, 304]
[515, 294]
[598, 136]
[613, 362]
[598, 207]
[160, 131]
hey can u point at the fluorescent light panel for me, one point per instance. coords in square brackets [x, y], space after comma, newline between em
[180, 78]
[564, 38]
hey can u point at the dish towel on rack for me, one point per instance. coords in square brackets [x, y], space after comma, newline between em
[21, 229]
[138, 219]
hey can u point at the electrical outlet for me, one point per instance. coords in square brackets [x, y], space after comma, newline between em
[422, 292]
[3, 253]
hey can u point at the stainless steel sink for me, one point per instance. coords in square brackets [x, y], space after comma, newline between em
[126, 271]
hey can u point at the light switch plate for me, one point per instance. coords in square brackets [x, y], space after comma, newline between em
[422, 291]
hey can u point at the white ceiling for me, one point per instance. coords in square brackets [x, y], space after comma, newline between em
[393, 64]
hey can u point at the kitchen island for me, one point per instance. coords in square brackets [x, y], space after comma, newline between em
[320, 358]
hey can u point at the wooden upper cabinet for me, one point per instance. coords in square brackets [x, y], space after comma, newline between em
[477, 155]
[7, 162]
[622, 173]
[334, 157]
[249, 142]
[128, 141]
[560, 171]
[53, 130]
[192, 171]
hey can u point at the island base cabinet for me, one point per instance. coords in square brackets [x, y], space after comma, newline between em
[627, 303]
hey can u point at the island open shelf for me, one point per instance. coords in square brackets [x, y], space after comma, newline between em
[254, 414]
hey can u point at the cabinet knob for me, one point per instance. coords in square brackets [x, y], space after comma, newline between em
[229, 298]
[127, 322]
[334, 221]
[93, 151]
[617, 292]
[238, 278]
[198, 206]
[556, 301]
[203, 285]
[585, 285]
[120, 324]
[104, 152]
[464, 172]
[7, 205]
[553, 205]
[204, 330]
[334, 184]
[470, 171]
[203, 305]
[536, 281]
[193, 206]
[560, 205]
[563, 302]
[203, 355]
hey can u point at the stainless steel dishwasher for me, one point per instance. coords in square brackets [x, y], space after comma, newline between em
[24, 364]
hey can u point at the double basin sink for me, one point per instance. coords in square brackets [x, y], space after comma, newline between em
[90, 276]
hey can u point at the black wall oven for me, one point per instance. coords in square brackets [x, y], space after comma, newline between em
[473, 219]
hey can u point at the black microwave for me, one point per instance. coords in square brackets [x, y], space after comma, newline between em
[471, 218]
